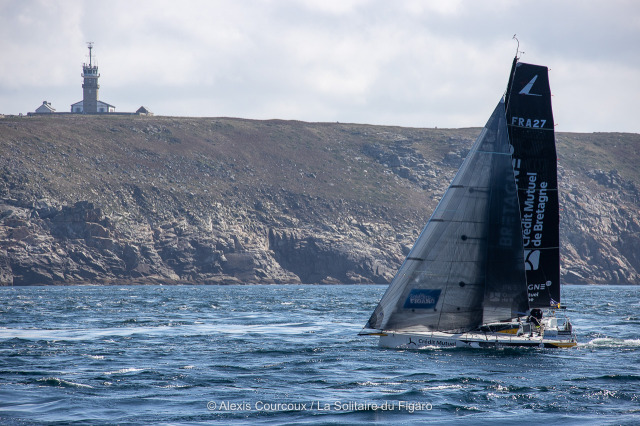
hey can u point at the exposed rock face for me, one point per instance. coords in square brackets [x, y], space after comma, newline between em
[604, 239]
[328, 258]
[150, 200]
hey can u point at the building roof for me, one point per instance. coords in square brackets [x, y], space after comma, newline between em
[45, 107]
[101, 103]
[143, 110]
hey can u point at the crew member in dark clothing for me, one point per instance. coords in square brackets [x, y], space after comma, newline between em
[535, 317]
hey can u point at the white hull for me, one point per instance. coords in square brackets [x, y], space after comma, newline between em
[468, 340]
[520, 335]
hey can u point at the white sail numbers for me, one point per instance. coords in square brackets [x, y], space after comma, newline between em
[537, 123]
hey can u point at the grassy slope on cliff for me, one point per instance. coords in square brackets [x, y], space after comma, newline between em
[200, 160]
[298, 174]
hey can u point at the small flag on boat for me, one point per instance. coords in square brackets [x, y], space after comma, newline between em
[555, 304]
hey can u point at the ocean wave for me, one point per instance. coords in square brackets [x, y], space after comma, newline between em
[83, 366]
[609, 378]
[609, 342]
[80, 334]
[441, 387]
[57, 382]
[123, 371]
[94, 356]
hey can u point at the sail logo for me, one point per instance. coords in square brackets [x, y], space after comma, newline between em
[532, 216]
[526, 90]
[540, 287]
[531, 260]
[420, 298]
[537, 288]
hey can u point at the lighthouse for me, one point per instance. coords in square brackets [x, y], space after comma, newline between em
[90, 103]
[90, 86]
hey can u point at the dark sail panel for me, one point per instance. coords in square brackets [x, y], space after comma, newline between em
[531, 133]
[467, 266]
[505, 290]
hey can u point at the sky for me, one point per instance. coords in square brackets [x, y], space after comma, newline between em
[412, 63]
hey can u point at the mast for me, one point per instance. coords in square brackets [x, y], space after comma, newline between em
[516, 58]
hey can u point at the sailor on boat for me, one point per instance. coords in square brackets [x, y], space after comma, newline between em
[535, 317]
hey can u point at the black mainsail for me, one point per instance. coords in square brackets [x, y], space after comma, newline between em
[531, 133]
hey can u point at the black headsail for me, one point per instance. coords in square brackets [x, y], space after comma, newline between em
[531, 133]
[467, 266]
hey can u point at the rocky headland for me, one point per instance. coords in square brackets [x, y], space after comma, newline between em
[130, 199]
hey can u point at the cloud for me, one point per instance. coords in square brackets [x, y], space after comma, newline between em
[411, 63]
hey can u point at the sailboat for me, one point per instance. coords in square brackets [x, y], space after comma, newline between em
[485, 271]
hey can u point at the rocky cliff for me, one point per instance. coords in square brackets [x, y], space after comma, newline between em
[119, 199]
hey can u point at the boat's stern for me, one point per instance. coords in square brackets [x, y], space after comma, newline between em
[556, 334]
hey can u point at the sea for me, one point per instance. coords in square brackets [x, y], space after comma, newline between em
[291, 354]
